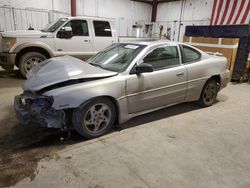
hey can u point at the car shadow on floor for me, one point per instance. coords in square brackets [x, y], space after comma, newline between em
[158, 115]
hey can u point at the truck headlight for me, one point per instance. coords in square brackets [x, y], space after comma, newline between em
[7, 43]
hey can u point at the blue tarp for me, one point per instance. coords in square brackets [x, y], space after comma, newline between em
[218, 31]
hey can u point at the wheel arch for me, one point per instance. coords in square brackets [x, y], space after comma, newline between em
[32, 49]
[112, 99]
[217, 78]
[116, 104]
[36, 46]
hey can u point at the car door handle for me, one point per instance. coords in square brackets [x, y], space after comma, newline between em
[86, 40]
[180, 74]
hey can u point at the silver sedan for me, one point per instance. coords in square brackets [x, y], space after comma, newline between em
[118, 83]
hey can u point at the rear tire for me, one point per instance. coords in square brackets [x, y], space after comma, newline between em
[28, 60]
[94, 118]
[209, 93]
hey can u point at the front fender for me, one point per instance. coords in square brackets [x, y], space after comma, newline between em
[74, 95]
[37, 44]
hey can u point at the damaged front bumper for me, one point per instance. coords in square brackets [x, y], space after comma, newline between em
[37, 109]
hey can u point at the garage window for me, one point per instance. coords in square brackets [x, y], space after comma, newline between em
[163, 57]
[79, 27]
[102, 29]
[190, 54]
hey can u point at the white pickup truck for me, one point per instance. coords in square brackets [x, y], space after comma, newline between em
[80, 37]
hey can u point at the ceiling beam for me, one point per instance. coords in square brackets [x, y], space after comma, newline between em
[143, 1]
[154, 11]
[167, 1]
[73, 7]
[151, 1]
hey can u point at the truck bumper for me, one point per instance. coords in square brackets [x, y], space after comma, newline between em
[225, 79]
[7, 60]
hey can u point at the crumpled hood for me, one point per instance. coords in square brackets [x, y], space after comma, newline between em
[60, 69]
[26, 34]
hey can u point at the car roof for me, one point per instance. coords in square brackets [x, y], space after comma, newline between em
[153, 43]
[90, 17]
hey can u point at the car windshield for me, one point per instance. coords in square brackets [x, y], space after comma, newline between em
[116, 57]
[53, 26]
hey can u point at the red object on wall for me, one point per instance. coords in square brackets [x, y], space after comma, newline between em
[73, 7]
[230, 12]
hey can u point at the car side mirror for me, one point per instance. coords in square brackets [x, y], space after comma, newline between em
[65, 33]
[143, 67]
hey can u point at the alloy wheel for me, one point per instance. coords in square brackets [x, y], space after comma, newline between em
[31, 62]
[97, 118]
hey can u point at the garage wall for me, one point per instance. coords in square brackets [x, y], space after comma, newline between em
[125, 12]
[59, 5]
[195, 12]
[20, 14]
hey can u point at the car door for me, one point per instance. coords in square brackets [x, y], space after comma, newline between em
[197, 71]
[166, 85]
[103, 35]
[80, 44]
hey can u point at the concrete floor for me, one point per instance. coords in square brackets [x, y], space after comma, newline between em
[181, 146]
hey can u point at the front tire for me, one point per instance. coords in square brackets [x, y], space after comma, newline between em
[95, 118]
[209, 93]
[28, 60]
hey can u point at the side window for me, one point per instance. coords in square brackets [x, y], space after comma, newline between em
[79, 27]
[190, 54]
[102, 29]
[163, 57]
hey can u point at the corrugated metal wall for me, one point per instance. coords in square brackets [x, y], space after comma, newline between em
[18, 14]
[21, 19]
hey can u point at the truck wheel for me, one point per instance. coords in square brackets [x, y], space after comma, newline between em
[95, 118]
[209, 93]
[28, 60]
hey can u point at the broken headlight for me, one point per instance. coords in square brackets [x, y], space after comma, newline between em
[42, 101]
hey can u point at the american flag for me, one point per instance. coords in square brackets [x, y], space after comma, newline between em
[230, 12]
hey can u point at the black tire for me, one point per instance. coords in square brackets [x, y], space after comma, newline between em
[28, 60]
[209, 93]
[86, 121]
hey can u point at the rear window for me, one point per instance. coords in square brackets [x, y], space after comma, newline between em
[190, 54]
[102, 29]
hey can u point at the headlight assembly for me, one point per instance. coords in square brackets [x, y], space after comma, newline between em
[7, 43]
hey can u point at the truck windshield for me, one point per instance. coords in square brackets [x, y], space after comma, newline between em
[53, 26]
[116, 57]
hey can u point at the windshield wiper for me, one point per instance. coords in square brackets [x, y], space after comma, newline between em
[96, 65]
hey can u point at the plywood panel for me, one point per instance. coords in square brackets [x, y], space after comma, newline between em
[205, 40]
[185, 39]
[229, 41]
